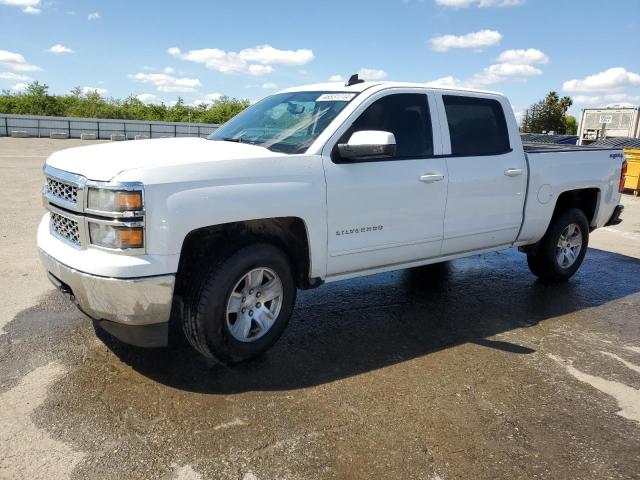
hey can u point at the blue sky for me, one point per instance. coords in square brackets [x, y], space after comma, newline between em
[587, 49]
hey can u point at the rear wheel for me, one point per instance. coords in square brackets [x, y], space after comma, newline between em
[243, 304]
[561, 251]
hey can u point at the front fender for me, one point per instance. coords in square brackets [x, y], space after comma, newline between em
[289, 186]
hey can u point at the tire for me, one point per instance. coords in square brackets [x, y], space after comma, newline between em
[216, 333]
[552, 263]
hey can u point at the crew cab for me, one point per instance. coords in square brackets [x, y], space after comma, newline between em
[313, 184]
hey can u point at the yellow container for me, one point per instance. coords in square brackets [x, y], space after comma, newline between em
[632, 155]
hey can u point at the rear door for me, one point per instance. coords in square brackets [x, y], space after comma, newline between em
[387, 211]
[487, 172]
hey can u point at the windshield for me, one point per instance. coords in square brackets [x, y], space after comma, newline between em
[286, 122]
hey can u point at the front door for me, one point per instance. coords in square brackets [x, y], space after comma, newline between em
[385, 211]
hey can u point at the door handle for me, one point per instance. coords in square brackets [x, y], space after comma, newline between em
[431, 177]
[513, 172]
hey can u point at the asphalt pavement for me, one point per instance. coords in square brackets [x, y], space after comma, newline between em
[470, 369]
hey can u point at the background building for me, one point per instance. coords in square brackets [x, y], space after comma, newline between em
[601, 123]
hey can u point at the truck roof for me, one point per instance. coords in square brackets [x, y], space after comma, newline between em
[359, 87]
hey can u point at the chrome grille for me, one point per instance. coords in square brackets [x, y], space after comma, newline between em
[65, 228]
[61, 190]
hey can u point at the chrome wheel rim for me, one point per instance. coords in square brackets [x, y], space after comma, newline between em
[569, 245]
[254, 304]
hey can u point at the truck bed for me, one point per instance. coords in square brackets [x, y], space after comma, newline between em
[553, 147]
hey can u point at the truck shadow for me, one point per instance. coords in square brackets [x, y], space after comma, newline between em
[351, 327]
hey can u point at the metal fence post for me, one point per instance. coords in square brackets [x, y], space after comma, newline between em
[98, 125]
[69, 128]
[150, 132]
[124, 124]
[175, 130]
[38, 127]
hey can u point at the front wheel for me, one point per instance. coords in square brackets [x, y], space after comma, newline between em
[562, 249]
[243, 304]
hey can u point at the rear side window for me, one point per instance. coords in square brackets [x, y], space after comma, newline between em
[477, 126]
[406, 115]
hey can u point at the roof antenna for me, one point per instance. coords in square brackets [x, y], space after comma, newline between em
[353, 80]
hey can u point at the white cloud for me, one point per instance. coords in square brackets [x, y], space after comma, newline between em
[94, 16]
[336, 78]
[99, 91]
[167, 83]
[446, 82]
[20, 87]
[623, 99]
[475, 40]
[28, 6]
[71, 12]
[267, 55]
[371, 74]
[497, 73]
[169, 70]
[148, 98]
[57, 48]
[613, 79]
[508, 70]
[529, 56]
[478, 3]
[490, 75]
[16, 62]
[13, 76]
[270, 86]
[259, 70]
[514, 65]
[255, 61]
[208, 99]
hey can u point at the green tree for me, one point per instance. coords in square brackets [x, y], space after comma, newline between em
[547, 115]
[36, 100]
[572, 125]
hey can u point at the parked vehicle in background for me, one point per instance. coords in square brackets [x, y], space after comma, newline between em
[313, 184]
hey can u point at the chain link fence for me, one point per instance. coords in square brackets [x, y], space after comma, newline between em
[98, 128]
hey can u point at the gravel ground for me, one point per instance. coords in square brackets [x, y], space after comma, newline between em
[470, 369]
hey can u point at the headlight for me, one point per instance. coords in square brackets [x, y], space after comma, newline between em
[116, 236]
[114, 201]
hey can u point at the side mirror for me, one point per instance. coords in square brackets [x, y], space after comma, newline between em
[368, 144]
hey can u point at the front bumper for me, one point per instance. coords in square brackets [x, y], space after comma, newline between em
[135, 310]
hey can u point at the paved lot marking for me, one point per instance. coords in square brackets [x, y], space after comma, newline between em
[186, 472]
[29, 452]
[628, 398]
[629, 365]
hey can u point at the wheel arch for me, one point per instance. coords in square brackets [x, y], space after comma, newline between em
[586, 199]
[202, 245]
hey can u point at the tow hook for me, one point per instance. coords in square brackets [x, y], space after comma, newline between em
[63, 288]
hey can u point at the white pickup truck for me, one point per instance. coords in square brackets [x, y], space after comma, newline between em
[313, 184]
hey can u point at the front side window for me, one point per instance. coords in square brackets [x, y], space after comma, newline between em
[476, 126]
[406, 115]
[285, 122]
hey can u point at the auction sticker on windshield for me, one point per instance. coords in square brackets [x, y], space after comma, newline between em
[335, 97]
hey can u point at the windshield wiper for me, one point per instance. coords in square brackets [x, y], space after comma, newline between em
[229, 139]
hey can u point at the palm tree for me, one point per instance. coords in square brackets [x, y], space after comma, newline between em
[565, 103]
